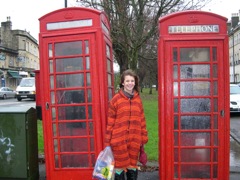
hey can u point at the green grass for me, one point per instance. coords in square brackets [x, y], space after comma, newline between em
[150, 103]
[40, 137]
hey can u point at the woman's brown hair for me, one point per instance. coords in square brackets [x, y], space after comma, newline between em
[130, 72]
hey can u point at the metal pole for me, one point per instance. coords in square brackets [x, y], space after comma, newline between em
[233, 61]
[65, 3]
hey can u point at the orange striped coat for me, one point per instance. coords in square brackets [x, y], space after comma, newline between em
[126, 129]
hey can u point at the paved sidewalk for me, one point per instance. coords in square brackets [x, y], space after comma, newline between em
[150, 175]
[235, 171]
[153, 173]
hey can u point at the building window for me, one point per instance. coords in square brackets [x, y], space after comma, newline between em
[11, 62]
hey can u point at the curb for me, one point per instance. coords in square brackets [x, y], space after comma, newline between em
[234, 169]
[235, 135]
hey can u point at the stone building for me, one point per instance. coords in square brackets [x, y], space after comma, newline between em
[234, 48]
[19, 55]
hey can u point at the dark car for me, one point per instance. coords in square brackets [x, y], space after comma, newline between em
[6, 92]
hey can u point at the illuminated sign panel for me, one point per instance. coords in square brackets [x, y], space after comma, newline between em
[69, 24]
[194, 29]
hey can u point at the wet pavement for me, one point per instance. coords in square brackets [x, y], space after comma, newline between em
[234, 154]
[235, 143]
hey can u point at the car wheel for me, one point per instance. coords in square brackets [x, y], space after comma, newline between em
[19, 99]
[4, 96]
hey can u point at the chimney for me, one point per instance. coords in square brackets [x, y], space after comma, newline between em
[7, 25]
[229, 27]
[234, 20]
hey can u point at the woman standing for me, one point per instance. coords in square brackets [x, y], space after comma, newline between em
[126, 127]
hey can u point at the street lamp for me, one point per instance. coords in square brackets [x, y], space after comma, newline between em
[65, 3]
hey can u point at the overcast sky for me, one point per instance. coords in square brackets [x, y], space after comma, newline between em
[25, 13]
[224, 7]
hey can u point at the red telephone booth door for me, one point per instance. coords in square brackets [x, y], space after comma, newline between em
[71, 82]
[194, 143]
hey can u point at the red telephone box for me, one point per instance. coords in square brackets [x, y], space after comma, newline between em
[193, 96]
[76, 76]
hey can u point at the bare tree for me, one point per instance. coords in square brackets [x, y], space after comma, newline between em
[134, 23]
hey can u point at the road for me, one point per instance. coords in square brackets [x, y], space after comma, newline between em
[235, 124]
[14, 102]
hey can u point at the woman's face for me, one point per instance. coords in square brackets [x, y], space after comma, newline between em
[128, 84]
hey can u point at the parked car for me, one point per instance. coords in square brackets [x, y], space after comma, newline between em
[234, 98]
[6, 92]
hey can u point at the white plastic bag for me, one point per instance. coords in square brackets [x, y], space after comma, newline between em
[104, 166]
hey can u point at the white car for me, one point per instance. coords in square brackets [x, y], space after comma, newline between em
[234, 98]
[26, 89]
